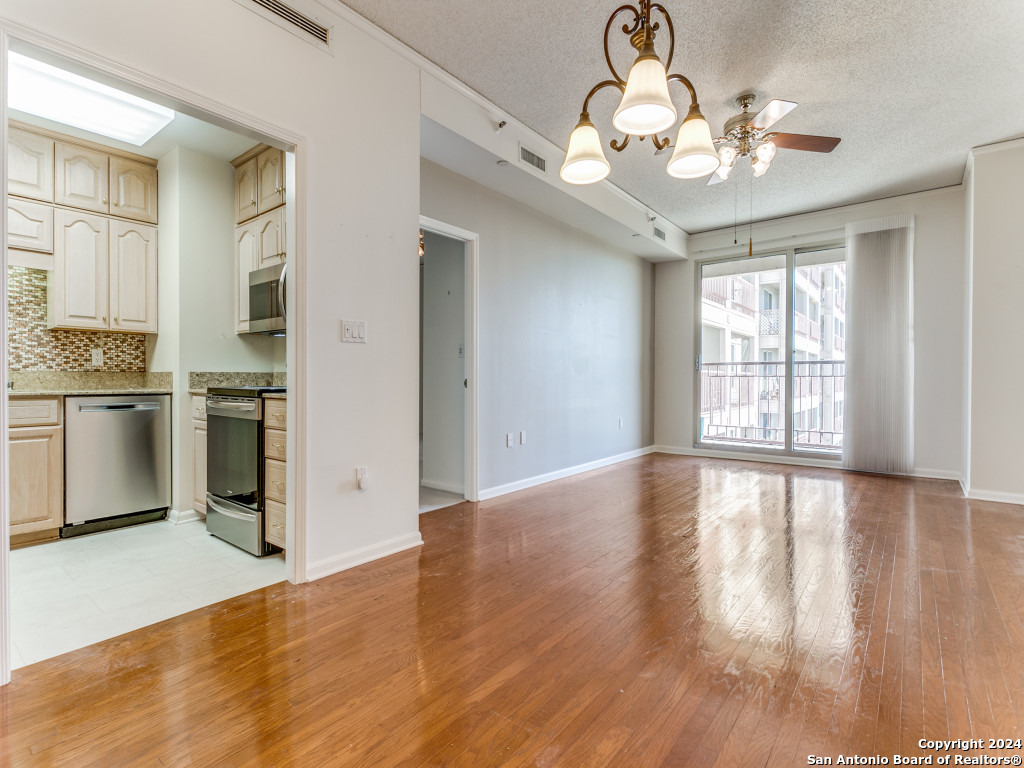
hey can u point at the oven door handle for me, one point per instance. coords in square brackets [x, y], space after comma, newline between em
[232, 406]
[282, 293]
[229, 512]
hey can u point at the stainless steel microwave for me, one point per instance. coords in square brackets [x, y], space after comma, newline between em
[267, 311]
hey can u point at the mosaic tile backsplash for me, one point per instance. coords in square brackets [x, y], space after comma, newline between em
[33, 347]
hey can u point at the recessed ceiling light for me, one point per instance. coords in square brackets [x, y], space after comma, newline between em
[46, 91]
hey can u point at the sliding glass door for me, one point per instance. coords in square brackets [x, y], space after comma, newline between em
[771, 352]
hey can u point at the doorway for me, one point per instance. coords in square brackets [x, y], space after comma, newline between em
[447, 414]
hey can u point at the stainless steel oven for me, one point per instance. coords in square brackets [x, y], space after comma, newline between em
[267, 314]
[234, 467]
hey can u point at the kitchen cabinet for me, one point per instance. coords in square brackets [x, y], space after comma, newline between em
[275, 470]
[133, 277]
[77, 289]
[133, 189]
[82, 177]
[29, 165]
[199, 454]
[246, 256]
[259, 182]
[271, 236]
[29, 234]
[36, 451]
[104, 276]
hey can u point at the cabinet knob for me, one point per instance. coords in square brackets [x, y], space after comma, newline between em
[278, 445]
[253, 203]
[116, 204]
[104, 201]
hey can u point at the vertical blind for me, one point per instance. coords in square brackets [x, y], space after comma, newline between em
[879, 420]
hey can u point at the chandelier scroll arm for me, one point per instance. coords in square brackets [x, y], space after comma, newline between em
[671, 34]
[626, 29]
[689, 86]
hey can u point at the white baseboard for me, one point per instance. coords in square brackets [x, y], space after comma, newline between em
[439, 486]
[980, 494]
[179, 516]
[530, 482]
[706, 453]
[799, 461]
[363, 555]
[965, 489]
[937, 474]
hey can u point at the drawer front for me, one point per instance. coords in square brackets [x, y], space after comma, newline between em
[34, 411]
[275, 413]
[275, 444]
[275, 527]
[275, 480]
[199, 407]
[29, 225]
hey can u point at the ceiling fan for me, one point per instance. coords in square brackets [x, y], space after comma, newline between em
[747, 135]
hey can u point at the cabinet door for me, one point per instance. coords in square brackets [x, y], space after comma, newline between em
[276, 516]
[29, 165]
[82, 177]
[246, 250]
[199, 466]
[270, 231]
[245, 191]
[29, 225]
[133, 277]
[132, 189]
[36, 477]
[77, 293]
[270, 179]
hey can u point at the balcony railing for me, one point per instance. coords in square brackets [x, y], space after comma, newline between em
[744, 403]
[769, 323]
[731, 292]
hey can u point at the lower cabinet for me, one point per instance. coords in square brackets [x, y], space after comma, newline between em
[275, 444]
[36, 469]
[199, 454]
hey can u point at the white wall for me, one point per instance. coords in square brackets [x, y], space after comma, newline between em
[565, 335]
[196, 302]
[358, 209]
[938, 318]
[444, 396]
[996, 325]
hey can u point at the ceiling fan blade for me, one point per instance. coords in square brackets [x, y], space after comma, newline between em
[805, 142]
[715, 179]
[774, 110]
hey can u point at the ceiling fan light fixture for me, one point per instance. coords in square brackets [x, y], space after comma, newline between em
[695, 154]
[585, 162]
[645, 108]
[759, 165]
[766, 152]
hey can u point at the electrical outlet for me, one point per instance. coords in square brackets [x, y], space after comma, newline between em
[462, 350]
[522, 437]
[97, 356]
[362, 479]
[510, 440]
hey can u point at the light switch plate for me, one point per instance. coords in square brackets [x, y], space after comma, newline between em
[353, 331]
[510, 440]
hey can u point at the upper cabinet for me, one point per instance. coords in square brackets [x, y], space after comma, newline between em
[83, 178]
[29, 165]
[259, 182]
[57, 169]
[133, 277]
[132, 189]
[245, 191]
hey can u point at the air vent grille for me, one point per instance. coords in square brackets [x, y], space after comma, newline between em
[659, 234]
[531, 158]
[297, 19]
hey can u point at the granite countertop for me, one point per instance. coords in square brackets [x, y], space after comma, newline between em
[275, 395]
[56, 383]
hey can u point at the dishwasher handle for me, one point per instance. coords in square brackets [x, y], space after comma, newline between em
[119, 407]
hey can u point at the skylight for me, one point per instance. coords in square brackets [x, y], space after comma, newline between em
[46, 91]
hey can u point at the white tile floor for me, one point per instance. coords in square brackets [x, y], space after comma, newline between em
[431, 499]
[72, 593]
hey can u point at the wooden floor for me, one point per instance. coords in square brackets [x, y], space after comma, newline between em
[665, 611]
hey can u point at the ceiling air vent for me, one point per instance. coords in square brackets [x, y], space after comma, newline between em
[531, 158]
[659, 234]
[296, 19]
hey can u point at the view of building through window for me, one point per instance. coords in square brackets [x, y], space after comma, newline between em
[744, 368]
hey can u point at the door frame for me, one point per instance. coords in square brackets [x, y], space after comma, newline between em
[471, 241]
[217, 113]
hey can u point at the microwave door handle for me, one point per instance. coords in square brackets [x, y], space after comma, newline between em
[281, 293]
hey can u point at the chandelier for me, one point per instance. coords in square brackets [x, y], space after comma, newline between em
[646, 109]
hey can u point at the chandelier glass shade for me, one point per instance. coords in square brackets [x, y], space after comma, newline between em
[645, 108]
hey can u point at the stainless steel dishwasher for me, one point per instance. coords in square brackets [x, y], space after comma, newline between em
[117, 460]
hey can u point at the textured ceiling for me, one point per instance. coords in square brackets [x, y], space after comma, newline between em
[909, 85]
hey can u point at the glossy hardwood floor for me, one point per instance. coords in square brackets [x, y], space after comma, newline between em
[665, 611]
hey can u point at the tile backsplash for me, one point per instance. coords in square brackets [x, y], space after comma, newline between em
[34, 347]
